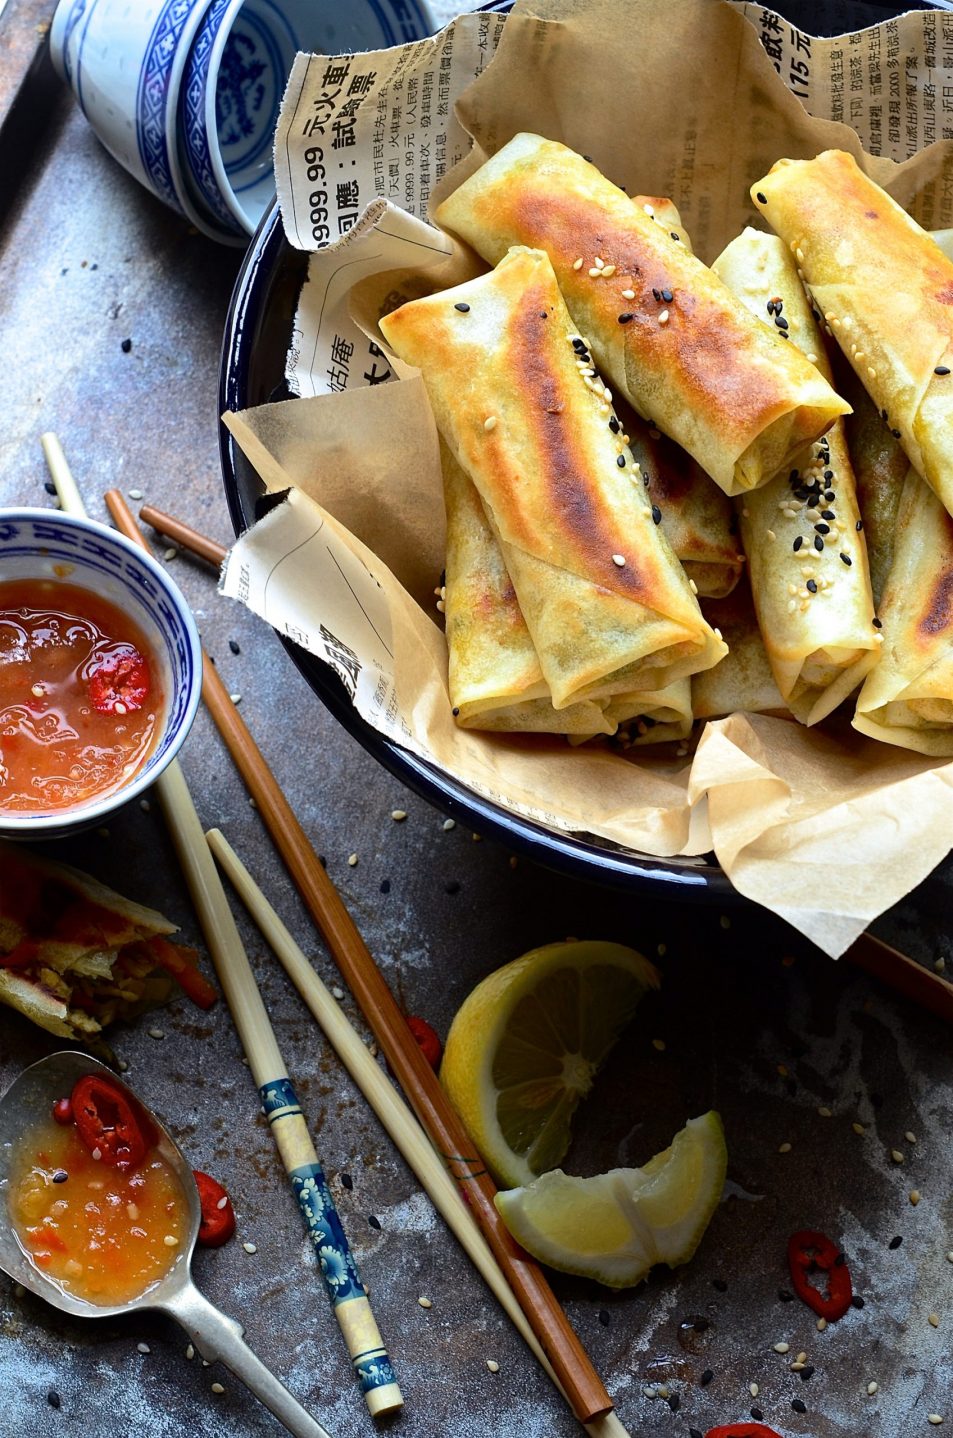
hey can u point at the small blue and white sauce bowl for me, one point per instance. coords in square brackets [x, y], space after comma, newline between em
[42, 544]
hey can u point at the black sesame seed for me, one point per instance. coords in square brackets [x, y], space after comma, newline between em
[797, 543]
[720, 1284]
[673, 235]
[543, 315]
[895, 433]
[604, 1318]
[827, 514]
[456, 711]
[624, 319]
[695, 1433]
[812, 585]
[758, 1415]
[781, 322]
[234, 646]
[347, 1181]
[656, 295]
[807, 1372]
[795, 474]
[385, 886]
[452, 887]
[829, 495]
[814, 501]
[856, 1301]
[895, 1242]
[50, 487]
[667, 296]
[614, 425]
[60, 1176]
[578, 344]
[322, 861]
[883, 415]
[374, 1222]
[799, 1405]
[620, 460]
[762, 199]
[823, 528]
[818, 543]
[126, 346]
[942, 369]
[877, 623]
[828, 474]
[846, 559]
[770, 307]
[674, 1402]
[463, 307]
[706, 1378]
[53, 1398]
[859, 525]
[656, 514]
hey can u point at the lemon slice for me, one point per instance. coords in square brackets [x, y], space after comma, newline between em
[616, 1226]
[525, 1046]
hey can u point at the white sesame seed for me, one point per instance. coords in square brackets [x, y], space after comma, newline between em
[398, 815]
[872, 1388]
[914, 1196]
[797, 1366]
[934, 1418]
[217, 1388]
[595, 271]
[598, 262]
[782, 1348]
[753, 1389]
[489, 423]
[250, 1247]
[144, 805]
[799, 254]
[493, 1366]
[619, 559]
[628, 294]
[337, 991]
[663, 317]
[771, 534]
[871, 371]
[608, 271]
[940, 965]
[661, 950]
[784, 1148]
[425, 1302]
[37, 691]
[649, 211]
[170, 1241]
[205, 1363]
[235, 698]
[170, 553]
[97, 1154]
[896, 1155]
[934, 1320]
[910, 1137]
[441, 606]
[693, 586]
[143, 1348]
[821, 1325]
[825, 1112]
[190, 1352]
[449, 824]
[223, 1201]
[122, 1065]
[646, 1392]
[134, 493]
[802, 1357]
[577, 264]
[659, 1044]
[858, 1128]
[157, 1033]
[352, 860]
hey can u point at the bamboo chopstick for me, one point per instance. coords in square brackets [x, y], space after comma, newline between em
[345, 1290]
[578, 1379]
[183, 534]
[396, 1117]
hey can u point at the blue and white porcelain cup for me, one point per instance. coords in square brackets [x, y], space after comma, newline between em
[236, 75]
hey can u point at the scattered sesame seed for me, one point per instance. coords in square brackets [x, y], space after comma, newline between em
[628, 294]
[352, 860]
[157, 1033]
[910, 1137]
[656, 514]
[620, 461]
[134, 493]
[398, 815]
[250, 1247]
[608, 271]
[799, 1405]
[939, 965]
[753, 1389]
[663, 317]
[463, 307]
[934, 1418]
[914, 1196]
[949, 1256]
[895, 1242]
[235, 698]
[143, 1347]
[659, 1044]
[595, 271]
[825, 1112]
[934, 1320]
[425, 1302]
[170, 553]
[858, 1128]
[846, 559]
[784, 1148]
[782, 1348]
[448, 824]
[170, 1241]
[190, 1352]
[489, 424]
[896, 1155]
[337, 992]
[577, 264]
[762, 199]
[821, 1325]
[871, 371]
[52, 1398]
[797, 543]
[706, 1377]
[650, 211]
[942, 369]
[619, 559]
[626, 317]
[493, 1366]
[872, 1388]
[144, 805]
[217, 1388]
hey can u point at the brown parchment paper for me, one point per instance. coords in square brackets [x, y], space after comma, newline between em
[694, 100]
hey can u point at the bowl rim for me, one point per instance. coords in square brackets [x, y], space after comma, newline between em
[13, 826]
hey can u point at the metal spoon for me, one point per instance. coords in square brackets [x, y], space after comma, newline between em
[217, 1337]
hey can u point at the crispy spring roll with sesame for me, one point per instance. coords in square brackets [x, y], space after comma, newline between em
[657, 717]
[495, 677]
[908, 699]
[514, 395]
[744, 680]
[666, 331]
[802, 532]
[880, 469]
[885, 290]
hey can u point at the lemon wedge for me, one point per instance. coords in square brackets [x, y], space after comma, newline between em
[525, 1046]
[616, 1226]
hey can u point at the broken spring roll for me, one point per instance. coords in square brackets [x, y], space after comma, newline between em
[743, 681]
[908, 699]
[802, 532]
[516, 398]
[495, 677]
[665, 330]
[885, 290]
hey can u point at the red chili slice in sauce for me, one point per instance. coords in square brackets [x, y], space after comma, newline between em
[120, 684]
[808, 1252]
[218, 1222]
[430, 1045]
[742, 1430]
[108, 1123]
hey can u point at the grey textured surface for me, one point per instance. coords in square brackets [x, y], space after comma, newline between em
[87, 259]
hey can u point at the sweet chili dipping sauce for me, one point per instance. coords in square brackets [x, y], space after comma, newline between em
[104, 1231]
[80, 698]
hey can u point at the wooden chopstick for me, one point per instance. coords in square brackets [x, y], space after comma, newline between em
[345, 1290]
[182, 534]
[578, 1379]
[396, 1117]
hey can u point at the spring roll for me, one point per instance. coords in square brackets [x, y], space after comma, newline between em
[655, 718]
[666, 331]
[802, 532]
[515, 396]
[885, 290]
[908, 699]
[744, 680]
[495, 677]
[880, 469]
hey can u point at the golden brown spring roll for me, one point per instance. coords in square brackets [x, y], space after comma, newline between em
[744, 680]
[658, 717]
[665, 213]
[515, 396]
[908, 699]
[495, 677]
[885, 290]
[665, 330]
[802, 531]
[880, 468]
